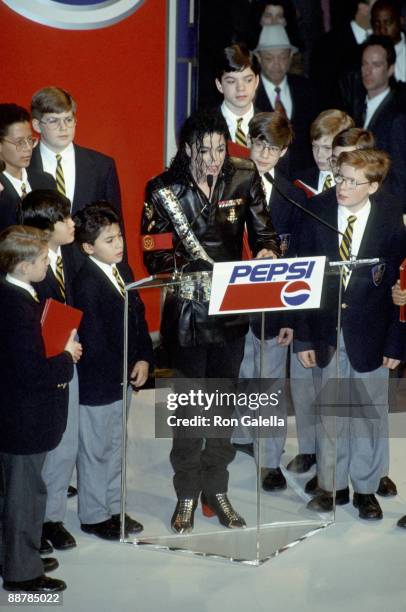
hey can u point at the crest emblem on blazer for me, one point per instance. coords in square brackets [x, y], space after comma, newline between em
[377, 274]
[74, 14]
[285, 243]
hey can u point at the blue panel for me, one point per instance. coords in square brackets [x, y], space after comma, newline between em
[186, 49]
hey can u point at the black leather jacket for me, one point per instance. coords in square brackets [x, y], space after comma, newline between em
[237, 199]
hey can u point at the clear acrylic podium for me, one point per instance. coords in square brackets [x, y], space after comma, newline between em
[275, 521]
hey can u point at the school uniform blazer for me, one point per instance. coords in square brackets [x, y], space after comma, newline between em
[33, 408]
[304, 109]
[101, 334]
[96, 177]
[370, 321]
[10, 201]
[287, 220]
[72, 261]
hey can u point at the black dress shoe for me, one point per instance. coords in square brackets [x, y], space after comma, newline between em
[387, 487]
[59, 537]
[312, 487]
[42, 584]
[45, 547]
[248, 449]
[274, 480]
[131, 525]
[106, 530]
[324, 501]
[368, 506]
[301, 463]
[72, 491]
[182, 520]
[402, 522]
[219, 505]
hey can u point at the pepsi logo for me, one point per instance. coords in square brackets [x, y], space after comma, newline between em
[75, 14]
[296, 293]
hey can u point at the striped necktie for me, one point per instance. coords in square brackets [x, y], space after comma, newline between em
[119, 280]
[345, 246]
[23, 190]
[328, 183]
[240, 136]
[35, 297]
[279, 108]
[59, 277]
[60, 179]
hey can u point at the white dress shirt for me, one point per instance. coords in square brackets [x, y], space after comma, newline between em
[372, 105]
[19, 283]
[108, 271]
[323, 174]
[360, 34]
[49, 162]
[17, 183]
[267, 185]
[232, 119]
[285, 95]
[400, 65]
[53, 256]
[358, 227]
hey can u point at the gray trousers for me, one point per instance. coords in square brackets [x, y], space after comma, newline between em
[304, 387]
[274, 367]
[60, 462]
[99, 462]
[361, 451]
[22, 508]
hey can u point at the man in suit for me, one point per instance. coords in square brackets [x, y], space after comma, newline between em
[378, 107]
[17, 178]
[339, 51]
[387, 20]
[83, 175]
[371, 339]
[287, 93]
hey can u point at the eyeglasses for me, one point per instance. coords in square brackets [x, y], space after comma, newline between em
[57, 122]
[30, 142]
[261, 146]
[350, 182]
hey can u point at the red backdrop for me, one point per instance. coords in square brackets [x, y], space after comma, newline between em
[117, 76]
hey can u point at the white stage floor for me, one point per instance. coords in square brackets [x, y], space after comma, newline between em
[354, 565]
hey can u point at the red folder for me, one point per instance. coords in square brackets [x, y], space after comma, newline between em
[237, 150]
[402, 269]
[57, 322]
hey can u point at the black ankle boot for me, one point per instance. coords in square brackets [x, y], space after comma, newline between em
[219, 505]
[183, 518]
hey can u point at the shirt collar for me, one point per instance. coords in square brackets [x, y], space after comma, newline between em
[230, 116]
[376, 100]
[54, 256]
[282, 85]
[107, 268]
[19, 283]
[17, 181]
[361, 214]
[400, 45]
[47, 153]
[360, 34]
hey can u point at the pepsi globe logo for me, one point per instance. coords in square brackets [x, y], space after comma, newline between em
[296, 293]
[75, 14]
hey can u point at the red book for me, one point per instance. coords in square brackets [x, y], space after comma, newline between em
[309, 191]
[237, 150]
[402, 269]
[57, 322]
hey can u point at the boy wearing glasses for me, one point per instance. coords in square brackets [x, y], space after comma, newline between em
[371, 337]
[270, 135]
[17, 179]
[81, 174]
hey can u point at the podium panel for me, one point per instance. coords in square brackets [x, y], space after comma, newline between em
[275, 519]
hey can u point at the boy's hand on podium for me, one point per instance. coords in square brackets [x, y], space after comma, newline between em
[398, 295]
[307, 358]
[139, 373]
[285, 336]
[73, 346]
[263, 253]
[390, 363]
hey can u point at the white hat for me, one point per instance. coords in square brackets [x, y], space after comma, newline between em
[274, 37]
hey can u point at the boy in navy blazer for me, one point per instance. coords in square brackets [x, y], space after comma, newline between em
[50, 210]
[33, 415]
[371, 338]
[270, 135]
[83, 175]
[99, 292]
